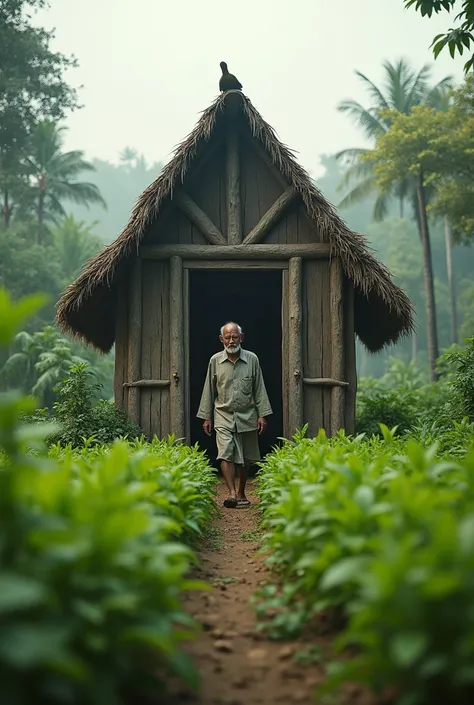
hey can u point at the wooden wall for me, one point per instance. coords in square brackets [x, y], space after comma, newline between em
[316, 344]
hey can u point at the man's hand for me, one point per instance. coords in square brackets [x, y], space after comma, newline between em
[261, 425]
[207, 426]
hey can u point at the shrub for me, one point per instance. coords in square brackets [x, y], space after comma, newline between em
[462, 384]
[386, 406]
[381, 529]
[80, 419]
[92, 558]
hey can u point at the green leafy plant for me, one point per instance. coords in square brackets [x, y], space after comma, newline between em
[94, 554]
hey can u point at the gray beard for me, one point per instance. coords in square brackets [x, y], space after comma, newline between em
[233, 349]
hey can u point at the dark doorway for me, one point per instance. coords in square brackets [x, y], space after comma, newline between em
[252, 299]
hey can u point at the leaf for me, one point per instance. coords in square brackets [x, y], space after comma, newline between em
[18, 592]
[407, 647]
[343, 571]
[364, 496]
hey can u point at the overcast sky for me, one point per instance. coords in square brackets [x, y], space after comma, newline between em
[149, 67]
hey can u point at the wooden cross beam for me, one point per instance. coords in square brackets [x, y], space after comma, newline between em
[197, 216]
[271, 217]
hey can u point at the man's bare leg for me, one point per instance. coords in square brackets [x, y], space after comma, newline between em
[243, 475]
[228, 472]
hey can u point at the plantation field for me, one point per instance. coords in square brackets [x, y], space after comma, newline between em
[119, 577]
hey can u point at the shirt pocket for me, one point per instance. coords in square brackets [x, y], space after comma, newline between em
[246, 385]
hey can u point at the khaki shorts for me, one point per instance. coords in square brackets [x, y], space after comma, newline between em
[238, 448]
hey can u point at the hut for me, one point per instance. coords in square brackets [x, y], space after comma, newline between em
[233, 228]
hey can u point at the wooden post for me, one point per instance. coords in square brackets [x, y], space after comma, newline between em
[350, 356]
[337, 344]
[295, 385]
[135, 339]
[177, 398]
[234, 204]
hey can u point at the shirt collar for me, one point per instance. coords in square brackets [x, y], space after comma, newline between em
[243, 356]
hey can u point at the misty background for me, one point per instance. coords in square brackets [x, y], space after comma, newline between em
[147, 69]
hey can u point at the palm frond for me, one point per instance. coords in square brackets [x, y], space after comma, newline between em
[351, 155]
[377, 95]
[359, 193]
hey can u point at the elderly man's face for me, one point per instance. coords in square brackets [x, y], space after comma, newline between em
[231, 339]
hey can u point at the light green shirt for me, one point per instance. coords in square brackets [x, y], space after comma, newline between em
[234, 393]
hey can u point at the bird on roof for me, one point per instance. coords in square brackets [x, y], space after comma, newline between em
[228, 82]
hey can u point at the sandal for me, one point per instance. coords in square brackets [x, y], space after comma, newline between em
[243, 502]
[230, 502]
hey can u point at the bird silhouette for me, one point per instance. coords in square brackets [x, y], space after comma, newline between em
[228, 81]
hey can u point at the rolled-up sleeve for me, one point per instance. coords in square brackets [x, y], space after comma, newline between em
[260, 395]
[206, 406]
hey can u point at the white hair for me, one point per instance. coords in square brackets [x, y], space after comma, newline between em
[231, 323]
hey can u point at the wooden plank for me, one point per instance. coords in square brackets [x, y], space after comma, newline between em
[350, 357]
[160, 412]
[284, 354]
[271, 217]
[312, 345]
[177, 389]
[295, 411]
[264, 157]
[236, 264]
[318, 250]
[148, 383]
[134, 339]
[324, 382]
[199, 218]
[337, 343]
[234, 202]
[187, 359]
[121, 344]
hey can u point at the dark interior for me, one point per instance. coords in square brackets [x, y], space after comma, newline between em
[253, 300]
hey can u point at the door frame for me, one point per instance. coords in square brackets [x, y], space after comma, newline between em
[282, 265]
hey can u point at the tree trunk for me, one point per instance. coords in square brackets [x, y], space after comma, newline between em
[7, 210]
[431, 325]
[448, 239]
[40, 216]
[414, 345]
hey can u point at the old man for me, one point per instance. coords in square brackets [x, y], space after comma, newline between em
[235, 403]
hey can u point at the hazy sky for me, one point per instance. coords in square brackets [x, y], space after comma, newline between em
[149, 67]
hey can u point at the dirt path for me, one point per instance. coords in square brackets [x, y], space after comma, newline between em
[237, 664]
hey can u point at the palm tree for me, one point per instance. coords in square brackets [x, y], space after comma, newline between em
[53, 175]
[75, 243]
[404, 89]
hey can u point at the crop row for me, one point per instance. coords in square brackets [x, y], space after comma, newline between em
[381, 533]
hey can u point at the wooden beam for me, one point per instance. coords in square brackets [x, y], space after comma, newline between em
[324, 382]
[295, 386]
[148, 383]
[199, 218]
[134, 339]
[177, 398]
[336, 282]
[317, 250]
[350, 356]
[234, 204]
[271, 217]
[241, 265]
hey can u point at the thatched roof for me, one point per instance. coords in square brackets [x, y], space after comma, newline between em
[86, 309]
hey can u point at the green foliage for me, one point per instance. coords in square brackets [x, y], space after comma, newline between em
[463, 382]
[31, 89]
[93, 558]
[456, 39]
[379, 531]
[38, 362]
[392, 408]
[80, 420]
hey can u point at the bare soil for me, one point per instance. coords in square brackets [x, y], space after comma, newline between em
[237, 664]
